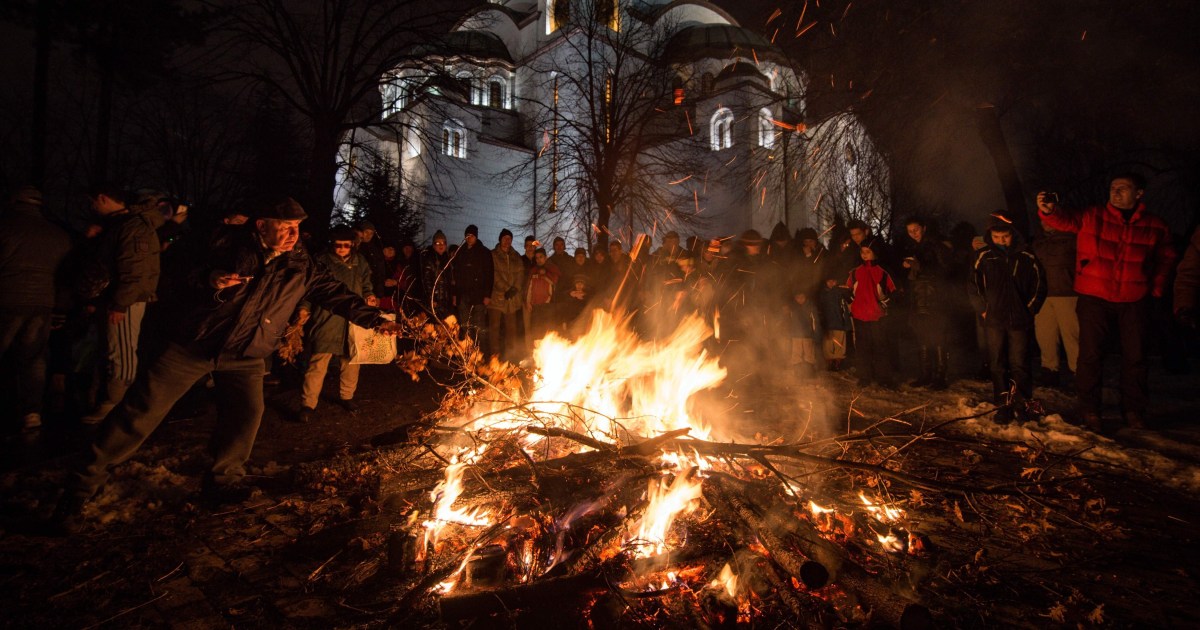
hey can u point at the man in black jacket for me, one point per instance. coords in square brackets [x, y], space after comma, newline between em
[473, 278]
[31, 251]
[1012, 284]
[239, 307]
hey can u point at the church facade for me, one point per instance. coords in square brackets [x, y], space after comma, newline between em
[597, 119]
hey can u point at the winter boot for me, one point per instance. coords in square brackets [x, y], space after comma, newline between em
[1050, 378]
[926, 368]
[941, 364]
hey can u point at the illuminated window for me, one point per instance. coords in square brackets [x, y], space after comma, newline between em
[558, 12]
[470, 86]
[721, 129]
[454, 139]
[766, 129]
[496, 93]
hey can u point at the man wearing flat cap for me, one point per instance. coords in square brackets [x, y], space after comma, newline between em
[236, 310]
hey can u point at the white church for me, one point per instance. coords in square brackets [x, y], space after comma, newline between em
[688, 121]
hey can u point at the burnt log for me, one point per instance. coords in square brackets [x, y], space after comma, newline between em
[778, 532]
[552, 591]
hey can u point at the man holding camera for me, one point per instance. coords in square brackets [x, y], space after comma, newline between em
[1123, 256]
[234, 315]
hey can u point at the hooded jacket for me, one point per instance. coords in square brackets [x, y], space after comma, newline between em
[1012, 285]
[1115, 259]
[130, 246]
[326, 331]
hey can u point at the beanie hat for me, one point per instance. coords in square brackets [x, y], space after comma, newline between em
[806, 234]
[505, 232]
[472, 231]
[780, 232]
[439, 235]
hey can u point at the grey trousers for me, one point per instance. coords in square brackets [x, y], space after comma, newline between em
[239, 397]
[123, 344]
[314, 378]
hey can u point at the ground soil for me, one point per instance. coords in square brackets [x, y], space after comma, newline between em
[309, 549]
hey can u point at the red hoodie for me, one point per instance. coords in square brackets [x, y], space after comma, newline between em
[871, 285]
[1116, 260]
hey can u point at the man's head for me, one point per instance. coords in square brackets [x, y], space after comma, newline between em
[807, 237]
[471, 236]
[671, 240]
[600, 256]
[439, 242]
[915, 228]
[859, 231]
[389, 253]
[1125, 190]
[560, 245]
[580, 256]
[408, 249]
[365, 231]
[752, 241]
[531, 245]
[278, 223]
[107, 199]
[1001, 235]
[686, 261]
[505, 240]
[614, 248]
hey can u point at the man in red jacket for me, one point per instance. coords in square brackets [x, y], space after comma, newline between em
[1123, 255]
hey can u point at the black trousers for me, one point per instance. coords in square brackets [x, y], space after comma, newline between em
[873, 352]
[23, 339]
[240, 407]
[1096, 321]
[1011, 363]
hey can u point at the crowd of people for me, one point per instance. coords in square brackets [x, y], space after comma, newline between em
[154, 313]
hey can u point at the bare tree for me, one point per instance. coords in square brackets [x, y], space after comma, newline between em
[605, 124]
[326, 59]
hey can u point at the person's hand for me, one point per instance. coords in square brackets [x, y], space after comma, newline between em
[372, 300]
[389, 328]
[1045, 203]
[116, 317]
[487, 300]
[223, 279]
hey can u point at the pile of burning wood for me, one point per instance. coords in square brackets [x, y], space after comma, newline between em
[591, 486]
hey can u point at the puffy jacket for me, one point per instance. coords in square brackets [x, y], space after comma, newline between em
[541, 284]
[32, 250]
[472, 274]
[1117, 260]
[130, 245]
[1012, 284]
[872, 286]
[1056, 251]
[248, 320]
[326, 332]
[508, 273]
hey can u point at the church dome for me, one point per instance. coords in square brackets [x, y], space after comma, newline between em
[716, 40]
[480, 45]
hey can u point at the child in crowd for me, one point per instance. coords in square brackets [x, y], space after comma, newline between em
[836, 321]
[803, 329]
[872, 286]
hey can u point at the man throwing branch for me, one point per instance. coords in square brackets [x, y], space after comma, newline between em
[240, 304]
[1123, 255]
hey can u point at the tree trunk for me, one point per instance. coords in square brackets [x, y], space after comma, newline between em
[322, 169]
[988, 121]
[41, 79]
[603, 216]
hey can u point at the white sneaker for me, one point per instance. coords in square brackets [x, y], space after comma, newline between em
[33, 420]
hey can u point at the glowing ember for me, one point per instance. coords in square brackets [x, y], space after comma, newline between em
[890, 542]
[668, 499]
[447, 492]
[883, 513]
[726, 581]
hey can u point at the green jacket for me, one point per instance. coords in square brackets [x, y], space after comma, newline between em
[325, 333]
[508, 273]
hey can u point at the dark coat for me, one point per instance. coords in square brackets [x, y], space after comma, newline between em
[248, 320]
[1012, 284]
[835, 308]
[32, 251]
[928, 276]
[1056, 251]
[326, 332]
[437, 282]
[473, 274]
[129, 246]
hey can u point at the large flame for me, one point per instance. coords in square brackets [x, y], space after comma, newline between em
[447, 492]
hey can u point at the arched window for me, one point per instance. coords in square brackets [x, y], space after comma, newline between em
[497, 93]
[706, 83]
[391, 93]
[470, 86]
[454, 139]
[721, 129]
[766, 129]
